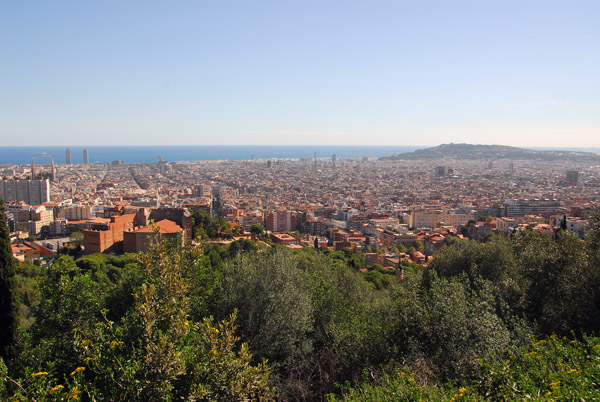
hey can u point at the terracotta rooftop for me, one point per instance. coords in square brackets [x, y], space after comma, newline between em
[164, 226]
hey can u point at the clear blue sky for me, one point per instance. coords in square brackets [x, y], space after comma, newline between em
[404, 72]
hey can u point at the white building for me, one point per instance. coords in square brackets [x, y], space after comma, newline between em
[32, 192]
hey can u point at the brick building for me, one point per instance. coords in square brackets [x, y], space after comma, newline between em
[138, 240]
[108, 237]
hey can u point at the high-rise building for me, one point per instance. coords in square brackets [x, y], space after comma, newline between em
[281, 221]
[53, 171]
[86, 159]
[33, 169]
[572, 177]
[68, 156]
[511, 168]
[32, 192]
[440, 171]
[333, 160]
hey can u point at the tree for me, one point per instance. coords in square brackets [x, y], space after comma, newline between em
[77, 237]
[593, 234]
[273, 302]
[257, 229]
[563, 223]
[8, 315]
[70, 300]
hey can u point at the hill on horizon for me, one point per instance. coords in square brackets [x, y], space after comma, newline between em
[478, 151]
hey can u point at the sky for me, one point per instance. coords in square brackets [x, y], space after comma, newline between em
[403, 72]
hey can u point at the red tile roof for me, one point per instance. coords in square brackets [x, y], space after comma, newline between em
[164, 226]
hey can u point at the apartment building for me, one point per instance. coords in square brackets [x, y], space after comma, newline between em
[32, 192]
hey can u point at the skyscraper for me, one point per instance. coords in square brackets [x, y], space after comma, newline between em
[68, 156]
[86, 160]
[572, 177]
[33, 169]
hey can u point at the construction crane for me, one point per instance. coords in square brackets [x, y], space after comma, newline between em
[43, 155]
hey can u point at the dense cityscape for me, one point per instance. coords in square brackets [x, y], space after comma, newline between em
[365, 204]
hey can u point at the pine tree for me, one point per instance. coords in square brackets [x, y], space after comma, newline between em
[7, 272]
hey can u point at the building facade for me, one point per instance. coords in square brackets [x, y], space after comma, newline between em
[32, 192]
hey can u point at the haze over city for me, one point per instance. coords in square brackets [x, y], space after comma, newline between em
[373, 73]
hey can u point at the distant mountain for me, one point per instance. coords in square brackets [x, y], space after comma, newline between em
[471, 151]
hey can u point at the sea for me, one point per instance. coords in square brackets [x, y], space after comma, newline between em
[150, 153]
[171, 153]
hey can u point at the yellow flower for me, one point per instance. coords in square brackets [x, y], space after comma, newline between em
[86, 343]
[402, 373]
[74, 393]
[573, 342]
[548, 393]
[55, 389]
[77, 370]
[572, 371]
[540, 343]
[531, 353]
[114, 344]
[41, 373]
[89, 359]
[411, 379]
[213, 352]
[462, 390]
[555, 384]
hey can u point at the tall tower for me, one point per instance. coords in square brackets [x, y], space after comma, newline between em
[440, 171]
[572, 177]
[53, 171]
[86, 159]
[32, 169]
[333, 160]
[68, 156]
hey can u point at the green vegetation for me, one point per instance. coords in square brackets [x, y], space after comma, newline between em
[510, 319]
[549, 369]
[205, 227]
[8, 316]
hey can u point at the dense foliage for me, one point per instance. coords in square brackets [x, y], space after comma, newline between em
[8, 316]
[503, 320]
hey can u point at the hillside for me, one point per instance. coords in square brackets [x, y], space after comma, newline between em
[472, 151]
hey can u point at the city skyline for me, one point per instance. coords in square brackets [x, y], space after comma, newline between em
[383, 73]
